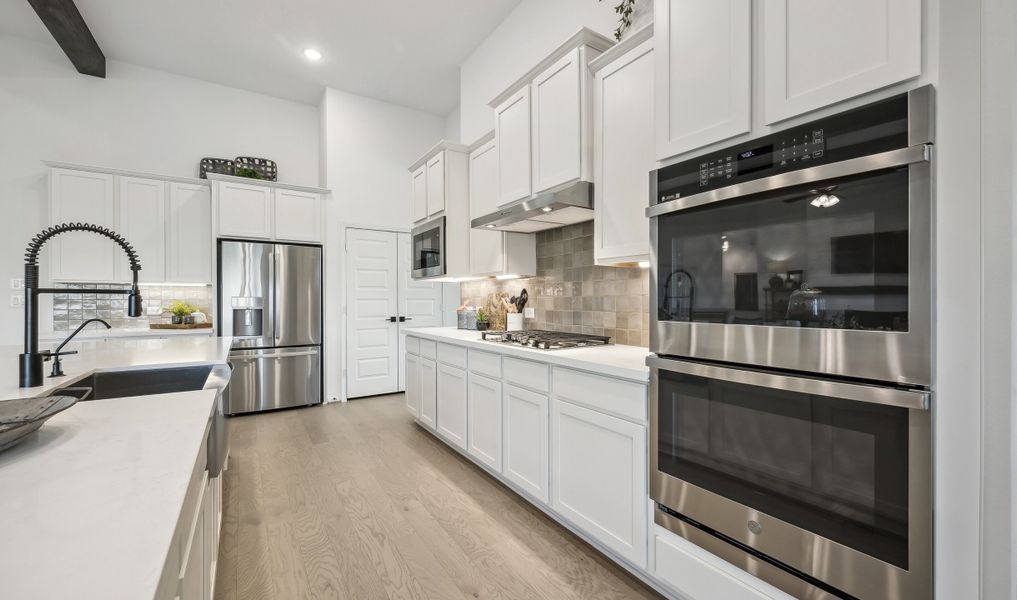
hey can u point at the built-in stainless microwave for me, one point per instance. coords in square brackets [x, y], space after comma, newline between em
[428, 249]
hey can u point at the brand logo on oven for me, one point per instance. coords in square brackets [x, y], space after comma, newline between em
[670, 197]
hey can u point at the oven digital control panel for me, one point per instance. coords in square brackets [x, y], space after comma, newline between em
[870, 129]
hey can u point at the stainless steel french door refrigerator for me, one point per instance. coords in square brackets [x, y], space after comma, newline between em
[270, 304]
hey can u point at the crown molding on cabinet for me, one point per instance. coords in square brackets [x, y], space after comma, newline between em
[487, 137]
[440, 146]
[55, 164]
[271, 184]
[583, 37]
[629, 42]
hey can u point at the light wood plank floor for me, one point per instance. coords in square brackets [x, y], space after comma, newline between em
[356, 501]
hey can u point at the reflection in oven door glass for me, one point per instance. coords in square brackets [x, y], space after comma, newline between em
[832, 255]
[835, 467]
[427, 249]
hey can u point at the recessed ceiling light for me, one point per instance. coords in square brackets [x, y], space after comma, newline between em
[312, 54]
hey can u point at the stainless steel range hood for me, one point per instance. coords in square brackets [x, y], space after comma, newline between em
[570, 204]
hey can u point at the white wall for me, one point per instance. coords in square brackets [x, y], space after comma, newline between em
[370, 144]
[525, 37]
[452, 131]
[136, 118]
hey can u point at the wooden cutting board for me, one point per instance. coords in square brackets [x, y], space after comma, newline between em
[180, 326]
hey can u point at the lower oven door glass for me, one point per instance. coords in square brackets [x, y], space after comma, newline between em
[834, 467]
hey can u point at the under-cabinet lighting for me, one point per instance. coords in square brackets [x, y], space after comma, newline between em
[173, 284]
[644, 264]
[506, 276]
[547, 209]
[489, 226]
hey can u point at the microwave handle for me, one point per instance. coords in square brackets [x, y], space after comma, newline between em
[872, 394]
[863, 164]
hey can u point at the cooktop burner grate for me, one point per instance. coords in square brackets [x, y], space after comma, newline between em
[545, 340]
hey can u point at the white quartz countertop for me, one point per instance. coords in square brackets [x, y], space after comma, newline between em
[90, 502]
[109, 355]
[100, 333]
[613, 360]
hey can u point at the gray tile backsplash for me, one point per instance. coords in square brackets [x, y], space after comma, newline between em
[571, 294]
[71, 308]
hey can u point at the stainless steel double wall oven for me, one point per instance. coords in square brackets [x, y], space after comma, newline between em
[791, 326]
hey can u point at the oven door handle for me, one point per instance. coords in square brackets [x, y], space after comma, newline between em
[863, 164]
[872, 394]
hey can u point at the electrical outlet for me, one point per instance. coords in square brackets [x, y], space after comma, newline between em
[17, 283]
[529, 313]
[17, 301]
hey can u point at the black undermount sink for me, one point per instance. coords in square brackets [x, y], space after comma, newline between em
[136, 382]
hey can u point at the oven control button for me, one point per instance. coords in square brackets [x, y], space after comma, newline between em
[755, 527]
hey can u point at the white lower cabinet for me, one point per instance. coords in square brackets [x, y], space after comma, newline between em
[452, 404]
[428, 392]
[195, 570]
[484, 420]
[525, 435]
[698, 575]
[598, 471]
[413, 384]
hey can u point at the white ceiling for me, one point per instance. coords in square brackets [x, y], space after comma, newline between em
[406, 52]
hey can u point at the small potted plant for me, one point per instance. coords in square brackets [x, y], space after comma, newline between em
[482, 322]
[180, 312]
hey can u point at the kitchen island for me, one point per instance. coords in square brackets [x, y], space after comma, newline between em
[113, 498]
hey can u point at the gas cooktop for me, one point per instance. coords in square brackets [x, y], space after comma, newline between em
[545, 340]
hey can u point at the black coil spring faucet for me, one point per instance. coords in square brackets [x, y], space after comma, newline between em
[30, 362]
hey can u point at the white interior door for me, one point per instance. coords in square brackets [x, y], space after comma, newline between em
[420, 302]
[373, 353]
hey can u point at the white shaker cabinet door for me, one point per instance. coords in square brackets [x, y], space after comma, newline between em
[436, 184]
[189, 256]
[609, 501]
[821, 52]
[702, 52]
[428, 392]
[484, 417]
[245, 210]
[143, 223]
[452, 392]
[525, 435]
[298, 216]
[623, 156]
[486, 247]
[557, 123]
[418, 182]
[413, 384]
[82, 197]
[512, 130]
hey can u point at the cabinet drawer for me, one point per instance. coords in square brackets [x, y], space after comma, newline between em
[412, 345]
[527, 374]
[429, 349]
[613, 396]
[452, 355]
[485, 363]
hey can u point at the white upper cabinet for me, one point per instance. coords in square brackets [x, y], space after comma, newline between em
[245, 210]
[418, 182]
[268, 210]
[82, 197]
[436, 184]
[298, 216]
[143, 223]
[543, 121]
[557, 122]
[821, 52]
[702, 50]
[512, 130]
[188, 234]
[494, 252]
[623, 149]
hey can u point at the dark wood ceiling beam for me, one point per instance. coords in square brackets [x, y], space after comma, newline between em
[69, 30]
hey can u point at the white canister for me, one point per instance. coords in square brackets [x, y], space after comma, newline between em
[514, 321]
